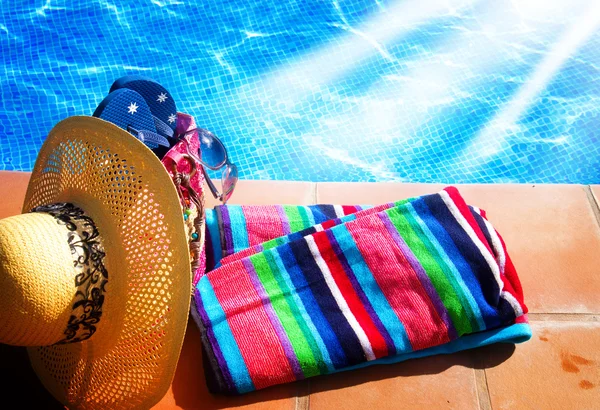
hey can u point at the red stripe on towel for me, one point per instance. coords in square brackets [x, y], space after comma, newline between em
[399, 283]
[263, 223]
[377, 341]
[466, 213]
[349, 209]
[511, 281]
[249, 322]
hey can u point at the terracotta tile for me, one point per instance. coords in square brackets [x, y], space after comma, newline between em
[553, 238]
[13, 186]
[358, 193]
[246, 192]
[188, 389]
[558, 368]
[446, 382]
[268, 193]
[549, 230]
[596, 196]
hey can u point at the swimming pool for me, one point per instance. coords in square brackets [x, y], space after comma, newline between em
[421, 91]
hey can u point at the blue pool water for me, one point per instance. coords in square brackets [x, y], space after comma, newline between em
[340, 90]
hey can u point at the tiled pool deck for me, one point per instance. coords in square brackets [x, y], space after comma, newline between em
[553, 234]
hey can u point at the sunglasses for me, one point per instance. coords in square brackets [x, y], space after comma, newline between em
[213, 155]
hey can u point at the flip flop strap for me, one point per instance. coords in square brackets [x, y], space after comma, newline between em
[163, 128]
[150, 138]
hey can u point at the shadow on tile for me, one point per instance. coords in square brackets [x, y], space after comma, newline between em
[432, 365]
[189, 389]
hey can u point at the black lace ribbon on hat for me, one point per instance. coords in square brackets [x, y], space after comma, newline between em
[88, 257]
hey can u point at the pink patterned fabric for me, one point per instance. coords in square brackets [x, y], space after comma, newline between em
[173, 160]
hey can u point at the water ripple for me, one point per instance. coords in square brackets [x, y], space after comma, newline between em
[359, 90]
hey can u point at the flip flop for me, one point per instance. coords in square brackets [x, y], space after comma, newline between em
[161, 102]
[128, 110]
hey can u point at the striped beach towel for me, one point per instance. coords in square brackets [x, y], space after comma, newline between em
[235, 229]
[305, 295]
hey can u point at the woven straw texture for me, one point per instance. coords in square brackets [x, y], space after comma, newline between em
[36, 280]
[130, 361]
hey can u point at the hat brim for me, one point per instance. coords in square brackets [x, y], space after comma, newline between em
[131, 359]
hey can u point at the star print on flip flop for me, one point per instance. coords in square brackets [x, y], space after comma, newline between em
[128, 110]
[160, 101]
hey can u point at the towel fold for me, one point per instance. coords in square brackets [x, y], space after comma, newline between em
[421, 276]
[247, 228]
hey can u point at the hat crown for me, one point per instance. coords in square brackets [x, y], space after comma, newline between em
[37, 280]
[130, 359]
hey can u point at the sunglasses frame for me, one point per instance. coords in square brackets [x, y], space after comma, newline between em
[226, 163]
[212, 186]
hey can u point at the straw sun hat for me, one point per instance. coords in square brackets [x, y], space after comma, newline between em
[95, 275]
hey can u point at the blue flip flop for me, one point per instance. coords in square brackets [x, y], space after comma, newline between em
[128, 110]
[161, 102]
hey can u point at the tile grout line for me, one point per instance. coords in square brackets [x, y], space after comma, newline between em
[303, 402]
[483, 391]
[303, 396]
[563, 317]
[315, 193]
[593, 202]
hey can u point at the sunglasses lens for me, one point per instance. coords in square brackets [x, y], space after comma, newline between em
[229, 179]
[212, 150]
